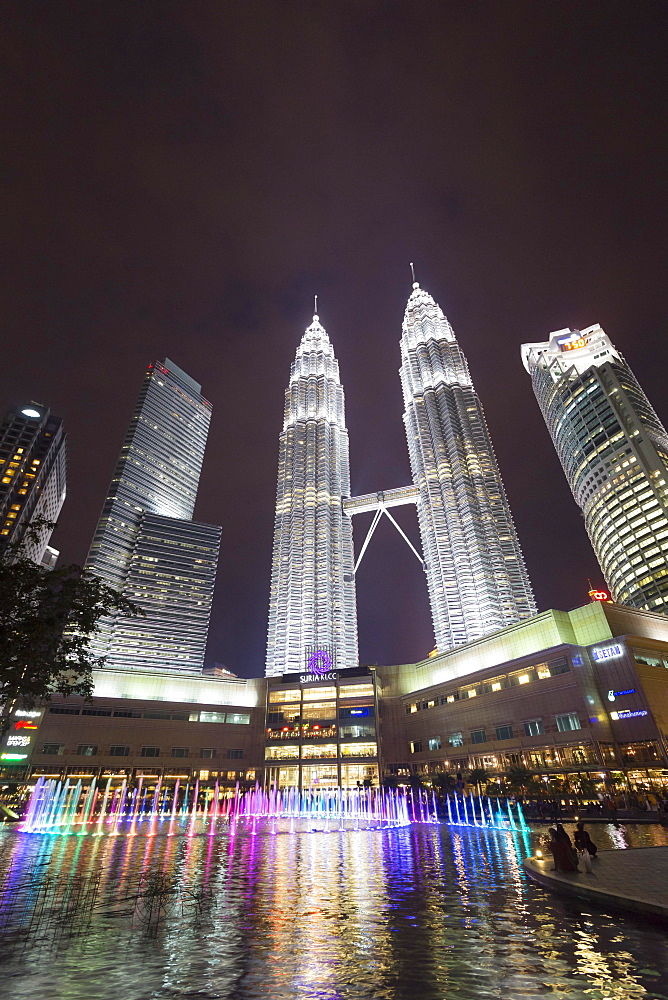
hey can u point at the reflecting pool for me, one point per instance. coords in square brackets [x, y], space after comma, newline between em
[422, 912]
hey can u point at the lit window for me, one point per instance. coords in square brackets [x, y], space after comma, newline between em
[524, 678]
[496, 686]
[356, 691]
[316, 694]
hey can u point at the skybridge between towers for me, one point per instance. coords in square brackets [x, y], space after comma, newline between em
[380, 503]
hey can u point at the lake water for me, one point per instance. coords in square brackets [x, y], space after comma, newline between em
[428, 912]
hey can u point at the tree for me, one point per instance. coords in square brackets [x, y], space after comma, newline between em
[444, 782]
[519, 778]
[47, 619]
[478, 776]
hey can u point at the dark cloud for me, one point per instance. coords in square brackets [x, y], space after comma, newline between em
[180, 179]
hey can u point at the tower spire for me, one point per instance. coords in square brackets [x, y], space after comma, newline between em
[415, 283]
[315, 307]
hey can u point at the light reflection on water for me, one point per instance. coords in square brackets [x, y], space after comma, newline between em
[421, 913]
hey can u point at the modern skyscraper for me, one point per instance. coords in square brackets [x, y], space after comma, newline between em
[475, 571]
[33, 462]
[614, 452]
[312, 613]
[146, 544]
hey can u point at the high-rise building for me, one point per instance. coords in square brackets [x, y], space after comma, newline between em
[33, 463]
[475, 571]
[312, 613]
[614, 452]
[146, 545]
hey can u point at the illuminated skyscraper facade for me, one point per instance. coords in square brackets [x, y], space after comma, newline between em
[146, 545]
[33, 465]
[312, 613]
[475, 571]
[614, 452]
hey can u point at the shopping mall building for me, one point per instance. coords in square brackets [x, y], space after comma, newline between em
[562, 693]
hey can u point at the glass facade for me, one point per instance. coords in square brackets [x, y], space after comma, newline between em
[321, 731]
[476, 575]
[146, 544]
[614, 452]
[312, 610]
[33, 460]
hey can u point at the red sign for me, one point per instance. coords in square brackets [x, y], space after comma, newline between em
[600, 595]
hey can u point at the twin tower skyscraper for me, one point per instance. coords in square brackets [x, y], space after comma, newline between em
[476, 577]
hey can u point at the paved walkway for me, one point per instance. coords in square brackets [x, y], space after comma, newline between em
[634, 880]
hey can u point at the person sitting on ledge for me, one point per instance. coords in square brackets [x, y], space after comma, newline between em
[583, 841]
[562, 853]
[562, 835]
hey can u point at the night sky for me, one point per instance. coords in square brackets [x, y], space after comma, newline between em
[179, 179]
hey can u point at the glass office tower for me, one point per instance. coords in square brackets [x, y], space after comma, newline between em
[476, 575]
[312, 611]
[33, 465]
[146, 544]
[614, 452]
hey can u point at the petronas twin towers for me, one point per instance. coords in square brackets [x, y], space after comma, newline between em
[476, 577]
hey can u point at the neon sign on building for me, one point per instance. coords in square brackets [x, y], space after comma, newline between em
[573, 342]
[607, 652]
[18, 742]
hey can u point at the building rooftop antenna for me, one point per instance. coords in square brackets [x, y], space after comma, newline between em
[415, 284]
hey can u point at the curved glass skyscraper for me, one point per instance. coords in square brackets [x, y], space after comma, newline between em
[312, 613]
[614, 452]
[475, 571]
[146, 544]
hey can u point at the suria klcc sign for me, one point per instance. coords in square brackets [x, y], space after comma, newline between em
[319, 666]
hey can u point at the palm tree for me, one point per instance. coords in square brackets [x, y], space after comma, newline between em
[444, 782]
[518, 778]
[478, 776]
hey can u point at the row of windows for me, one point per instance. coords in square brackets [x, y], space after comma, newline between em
[317, 732]
[320, 693]
[231, 718]
[519, 677]
[532, 727]
[325, 750]
[118, 750]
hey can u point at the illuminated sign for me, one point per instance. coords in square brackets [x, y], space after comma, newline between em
[618, 694]
[607, 652]
[18, 741]
[319, 665]
[319, 662]
[307, 678]
[573, 342]
[600, 595]
[628, 714]
[577, 660]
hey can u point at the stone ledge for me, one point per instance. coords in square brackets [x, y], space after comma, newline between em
[634, 880]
